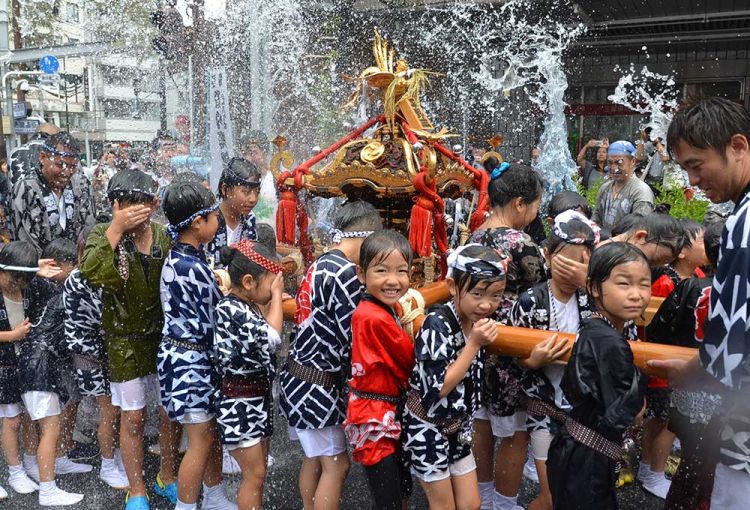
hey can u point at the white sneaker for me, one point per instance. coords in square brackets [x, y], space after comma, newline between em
[65, 466]
[657, 485]
[114, 477]
[58, 497]
[229, 466]
[22, 484]
[218, 502]
[31, 469]
[3, 493]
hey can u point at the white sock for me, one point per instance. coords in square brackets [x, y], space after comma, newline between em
[185, 506]
[108, 463]
[16, 470]
[500, 502]
[29, 459]
[486, 492]
[47, 487]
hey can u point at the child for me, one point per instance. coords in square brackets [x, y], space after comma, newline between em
[659, 236]
[657, 439]
[245, 343]
[312, 396]
[18, 263]
[679, 321]
[688, 262]
[446, 382]
[83, 334]
[189, 293]
[41, 363]
[124, 258]
[603, 386]
[515, 193]
[555, 305]
[239, 186]
[382, 361]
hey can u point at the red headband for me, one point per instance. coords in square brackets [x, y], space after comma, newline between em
[246, 248]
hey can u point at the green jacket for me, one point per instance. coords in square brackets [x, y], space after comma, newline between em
[132, 317]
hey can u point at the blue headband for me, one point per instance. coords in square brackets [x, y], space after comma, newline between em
[52, 150]
[174, 230]
[497, 172]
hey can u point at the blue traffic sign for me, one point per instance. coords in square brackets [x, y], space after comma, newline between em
[49, 64]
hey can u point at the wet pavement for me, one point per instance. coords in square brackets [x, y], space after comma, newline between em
[281, 491]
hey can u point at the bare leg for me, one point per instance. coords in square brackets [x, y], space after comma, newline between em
[11, 428]
[213, 476]
[50, 427]
[30, 435]
[331, 483]
[483, 449]
[439, 494]
[511, 456]
[466, 491]
[109, 421]
[252, 460]
[67, 424]
[170, 434]
[193, 465]
[309, 476]
[544, 500]
[131, 444]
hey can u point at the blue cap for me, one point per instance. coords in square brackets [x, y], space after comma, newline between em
[621, 148]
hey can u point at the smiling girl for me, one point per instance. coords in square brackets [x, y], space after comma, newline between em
[382, 360]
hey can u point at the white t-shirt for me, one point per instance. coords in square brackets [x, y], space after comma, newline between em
[567, 319]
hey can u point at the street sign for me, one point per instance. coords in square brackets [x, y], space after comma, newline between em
[26, 127]
[20, 110]
[49, 64]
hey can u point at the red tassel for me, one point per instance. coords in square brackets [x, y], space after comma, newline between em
[420, 226]
[285, 218]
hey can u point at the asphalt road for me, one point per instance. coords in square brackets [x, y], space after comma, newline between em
[281, 486]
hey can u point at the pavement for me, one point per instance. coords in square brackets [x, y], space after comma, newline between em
[281, 491]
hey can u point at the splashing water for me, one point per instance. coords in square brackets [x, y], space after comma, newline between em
[650, 94]
[533, 54]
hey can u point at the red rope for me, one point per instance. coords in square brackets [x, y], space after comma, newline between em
[428, 211]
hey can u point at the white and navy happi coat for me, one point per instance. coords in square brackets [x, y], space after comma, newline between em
[9, 390]
[189, 294]
[245, 230]
[437, 345]
[725, 351]
[245, 346]
[83, 335]
[533, 310]
[322, 340]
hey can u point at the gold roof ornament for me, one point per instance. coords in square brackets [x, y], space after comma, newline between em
[495, 142]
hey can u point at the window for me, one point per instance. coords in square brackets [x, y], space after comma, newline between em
[71, 13]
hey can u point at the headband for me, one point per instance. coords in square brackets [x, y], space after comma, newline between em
[481, 268]
[247, 248]
[21, 269]
[497, 172]
[112, 194]
[561, 228]
[52, 150]
[174, 230]
[338, 235]
[230, 175]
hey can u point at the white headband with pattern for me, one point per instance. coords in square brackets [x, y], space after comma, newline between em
[565, 217]
[457, 261]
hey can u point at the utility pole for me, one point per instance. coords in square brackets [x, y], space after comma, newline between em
[3, 49]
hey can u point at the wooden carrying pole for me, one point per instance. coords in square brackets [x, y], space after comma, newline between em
[518, 342]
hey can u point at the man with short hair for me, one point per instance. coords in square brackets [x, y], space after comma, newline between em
[711, 140]
[623, 194]
[55, 200]
[254, 147]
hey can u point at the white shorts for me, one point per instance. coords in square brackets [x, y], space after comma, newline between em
[729, 484]
[195, 417]
[41, 404]
[458, 468]
[133, 395]
[325, 442]
[244, 444]
[10, 410]
[503, 426]
[540, 441]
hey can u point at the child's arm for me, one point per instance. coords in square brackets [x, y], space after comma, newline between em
[275, 313]
[483, 333]
[16, 334]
